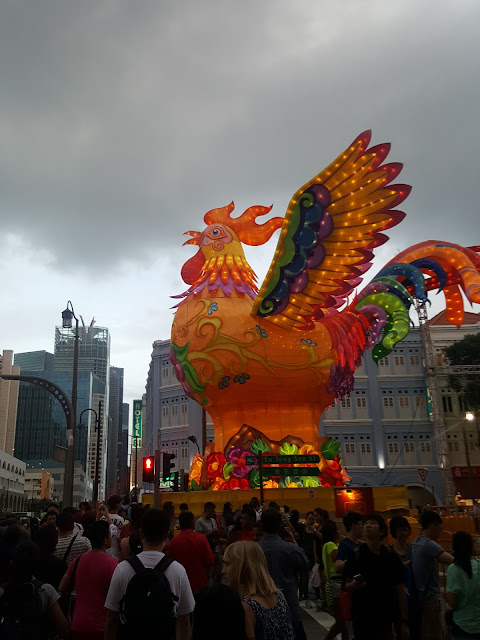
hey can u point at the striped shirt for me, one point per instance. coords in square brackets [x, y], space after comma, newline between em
[80, 545]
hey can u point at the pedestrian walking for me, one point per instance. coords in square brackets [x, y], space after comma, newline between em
[267, 615]
[463, 588]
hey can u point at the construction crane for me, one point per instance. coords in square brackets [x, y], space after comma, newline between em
[432, 373]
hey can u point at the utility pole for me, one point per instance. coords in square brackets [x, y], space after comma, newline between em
[448, 487]
[96, 482]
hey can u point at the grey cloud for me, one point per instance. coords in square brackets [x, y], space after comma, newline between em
[122, 123]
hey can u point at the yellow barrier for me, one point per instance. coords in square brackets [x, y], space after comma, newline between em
[384, 498]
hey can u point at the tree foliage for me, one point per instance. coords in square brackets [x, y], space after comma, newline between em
[466, 352]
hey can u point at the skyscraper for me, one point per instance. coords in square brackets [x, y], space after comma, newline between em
[114, 436]
[93, 356]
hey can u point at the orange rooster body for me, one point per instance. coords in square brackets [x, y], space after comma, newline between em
[270, 361]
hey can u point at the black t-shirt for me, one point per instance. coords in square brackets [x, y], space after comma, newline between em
[382, 573]
[51, 569]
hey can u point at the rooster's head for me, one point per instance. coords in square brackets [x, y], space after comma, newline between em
[224, 237]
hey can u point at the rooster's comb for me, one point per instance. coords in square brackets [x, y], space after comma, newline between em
[247, 230]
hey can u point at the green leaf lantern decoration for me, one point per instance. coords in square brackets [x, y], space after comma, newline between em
[254, 478]
[288, 449]
[294, 480]
[312, 481]
[227, 470]
[330, 449]
[258, 446]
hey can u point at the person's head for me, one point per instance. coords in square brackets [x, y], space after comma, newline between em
[400, 528]
[169, 508]
[154, 527]
[321, 516]
[353, 523]
[271, 521]
[330, 531]
[375, 527]
[99, 535]
[431, 524]
[65, 522]
[136, 515]
[286, 509]
[245, 570]
[463, 550]
[294, 516]
[257, 531]
[46, 538]
[248, 519]
[186, 520]
[227, 508]
[310, 518]
[222, 604]
[114, 504]
[183, 506]
[51, 519]
[273, 505]
[209, 510]
[24, 562]
[255, 504]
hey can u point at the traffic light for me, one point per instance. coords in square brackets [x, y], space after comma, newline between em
[167, 465]
[149, 469]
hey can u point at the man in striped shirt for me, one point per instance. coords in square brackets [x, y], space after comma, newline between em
[70, 544]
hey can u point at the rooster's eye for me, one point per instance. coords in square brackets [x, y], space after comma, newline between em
[216, 233]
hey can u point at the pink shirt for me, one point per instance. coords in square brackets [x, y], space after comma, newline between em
[92, 581]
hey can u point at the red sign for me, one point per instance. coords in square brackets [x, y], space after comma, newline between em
[359, 500]
[463, 472]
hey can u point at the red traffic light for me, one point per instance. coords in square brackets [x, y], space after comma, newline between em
[149, 469]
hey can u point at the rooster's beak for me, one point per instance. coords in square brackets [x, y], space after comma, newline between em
[196, 239]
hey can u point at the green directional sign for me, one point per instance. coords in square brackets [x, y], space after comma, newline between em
[289, 471]
[309, 459]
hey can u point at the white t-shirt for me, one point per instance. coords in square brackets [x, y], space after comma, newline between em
[204, 525]
[176, 575]
[117, 520]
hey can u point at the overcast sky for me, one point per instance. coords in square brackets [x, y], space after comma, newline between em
[122, 123]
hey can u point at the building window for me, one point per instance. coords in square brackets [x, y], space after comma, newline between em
[404, 401]
[415, 361]
[420, 401]
[361, 402]
[447, 404]
[349, 448]
[175, 410]
[399, 361]
[393, 447]
[345, 403]
[384, 362]
[184, 408]
[164, 373]
[425, 447]
[409, 447]
[388, 401]
[164, 413]
[366, 447]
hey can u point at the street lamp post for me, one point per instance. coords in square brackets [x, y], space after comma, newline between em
[67, 322]
[98, 429]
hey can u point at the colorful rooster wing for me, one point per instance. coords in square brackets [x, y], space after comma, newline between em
[270, 361]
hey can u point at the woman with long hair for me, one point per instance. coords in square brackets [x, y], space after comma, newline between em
[90, 575]
[267, 616]
[333, 580]
[463, 588]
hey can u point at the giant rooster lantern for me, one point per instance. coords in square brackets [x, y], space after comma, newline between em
[266, 363]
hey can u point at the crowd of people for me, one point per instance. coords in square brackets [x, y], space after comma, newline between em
[109, 571]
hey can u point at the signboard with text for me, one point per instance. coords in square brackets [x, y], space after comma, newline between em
[137, 425]
[359, 500]
[463, 472]
[266, 459]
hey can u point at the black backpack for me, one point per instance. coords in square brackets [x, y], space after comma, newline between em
[148, 606]
[22, 613]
